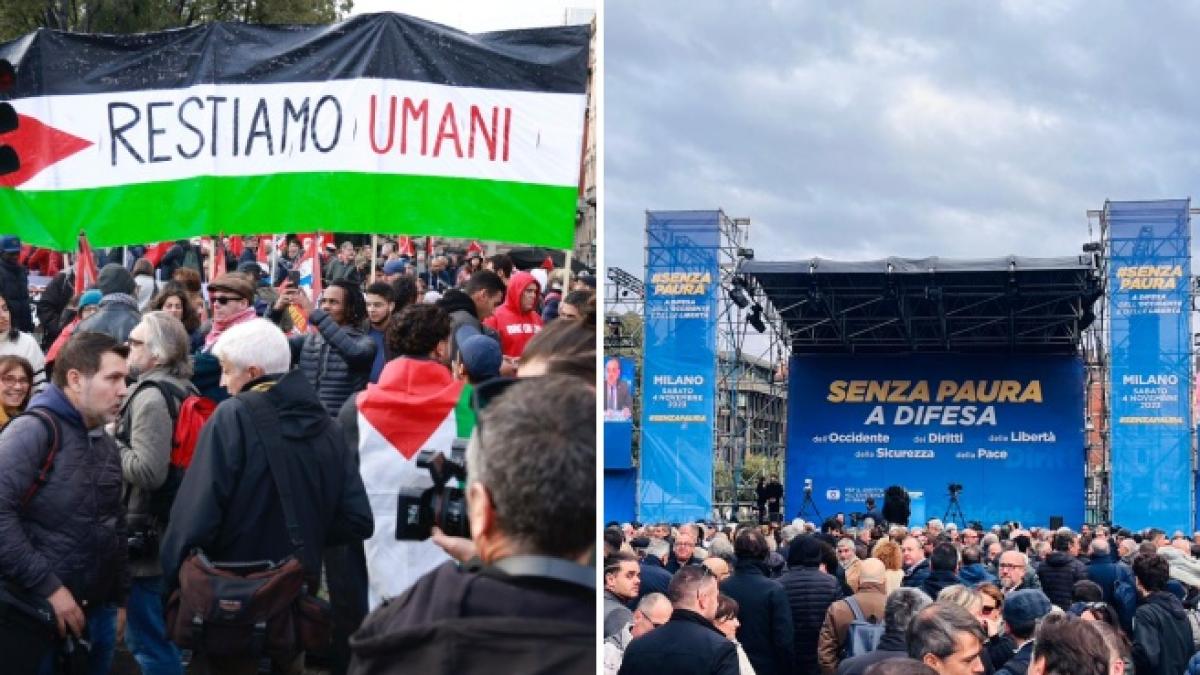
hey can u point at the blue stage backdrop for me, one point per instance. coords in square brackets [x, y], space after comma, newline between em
[1149, 265]
[1009, 429]
[679, 366]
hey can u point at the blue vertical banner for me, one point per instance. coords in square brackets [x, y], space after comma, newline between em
[680, 365]
[1149, 272]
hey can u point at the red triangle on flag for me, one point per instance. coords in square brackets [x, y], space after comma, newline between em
[38, 146]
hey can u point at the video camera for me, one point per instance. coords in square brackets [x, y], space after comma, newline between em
[955, 489]
[418, 511]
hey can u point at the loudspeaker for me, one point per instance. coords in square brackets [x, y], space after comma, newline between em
[1056, 522]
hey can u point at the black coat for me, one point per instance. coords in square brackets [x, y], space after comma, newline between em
[228, 505]
[1018, 663]
[52, 302]
[916, 576]
[72, 532]
[1162, 636]
[655, 578]
[117, 317]
[810, 592]
[336, 360]
[14, 285]
[766, 630]
[688, 644]
[465, 620]
[937, 580]
[1058, 574]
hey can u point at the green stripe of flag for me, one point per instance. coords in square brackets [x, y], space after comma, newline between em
[369, 203]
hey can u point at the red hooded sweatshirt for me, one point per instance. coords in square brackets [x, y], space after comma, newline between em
[516, 328]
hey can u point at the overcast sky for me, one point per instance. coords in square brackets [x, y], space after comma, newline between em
[858, 130]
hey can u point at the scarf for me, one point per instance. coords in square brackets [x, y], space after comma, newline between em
[221, 325]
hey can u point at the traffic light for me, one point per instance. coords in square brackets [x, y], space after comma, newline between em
[9, 162]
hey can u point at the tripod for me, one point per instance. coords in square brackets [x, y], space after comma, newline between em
[954, 512]
[808, 504]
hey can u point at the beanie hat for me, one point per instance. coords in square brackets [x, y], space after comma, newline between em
[114, 278]
[89, 297]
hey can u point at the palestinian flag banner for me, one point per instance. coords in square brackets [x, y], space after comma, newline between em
[415, 406]
[383, 124]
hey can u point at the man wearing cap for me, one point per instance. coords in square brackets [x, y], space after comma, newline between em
[14, 283]
[394, 269]
[118, 312]
[478, 359]
[232, 298]
[1022, 612]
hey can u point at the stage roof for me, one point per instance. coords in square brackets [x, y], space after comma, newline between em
[898, 305]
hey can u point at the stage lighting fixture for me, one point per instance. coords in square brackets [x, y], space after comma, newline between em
[746, 253]
[1093, 247]
[737, 292]
[755, 319]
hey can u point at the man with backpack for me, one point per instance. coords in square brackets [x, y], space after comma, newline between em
[158, 357]
[271, 480]
[854, 625]
[60, 509]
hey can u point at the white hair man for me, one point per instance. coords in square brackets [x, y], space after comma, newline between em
[652, 611]
[229, 505]
[158, 358]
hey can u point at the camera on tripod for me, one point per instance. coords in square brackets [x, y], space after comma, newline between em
[807, 487]
[445, 507]
[955, 489]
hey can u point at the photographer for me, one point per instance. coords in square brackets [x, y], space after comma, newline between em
[158, 358]
[530, 499]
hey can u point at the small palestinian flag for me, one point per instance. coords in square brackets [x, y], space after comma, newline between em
[381, 124]
[416, 405]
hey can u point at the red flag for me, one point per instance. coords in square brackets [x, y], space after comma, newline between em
[406, 247]
[428, 248]
[155, 252]
[548, 264]
[85, 267]
[261, 254]
[474, 248]
[216, 260]
[312, 254]
[236, 247]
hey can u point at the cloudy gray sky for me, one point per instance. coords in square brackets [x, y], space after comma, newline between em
[856, 130]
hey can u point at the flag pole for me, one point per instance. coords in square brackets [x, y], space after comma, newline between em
[374, 253]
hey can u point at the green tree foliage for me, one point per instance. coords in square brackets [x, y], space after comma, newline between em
[18, 17]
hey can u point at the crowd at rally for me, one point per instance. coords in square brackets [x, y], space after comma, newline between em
[828, 598]
[179, 415]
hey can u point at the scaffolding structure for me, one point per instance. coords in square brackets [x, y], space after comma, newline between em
[624, 312]
[751, 396]
[1097, 350]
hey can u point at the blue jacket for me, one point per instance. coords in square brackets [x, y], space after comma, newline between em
[1106, 574]
[916, 576]
[976, 574]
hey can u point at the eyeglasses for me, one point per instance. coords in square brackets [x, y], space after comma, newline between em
[226, 299]
[650, 621]
[987, 609]
[13, 381]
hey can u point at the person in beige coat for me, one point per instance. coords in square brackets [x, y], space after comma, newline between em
[871, 597]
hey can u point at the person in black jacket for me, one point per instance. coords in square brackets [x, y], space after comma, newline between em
[655, 577]
[66, 544]
[182, 254]
[118, 314]
[227, 504]
[1061, 569]
[337, 358]
[902, 605]
[1162, 636]
[468, 307]
[765, 632]
[809, 592]
[1023, 609]
[1107, 574]
[524, 602]
[688, 644]
[52, 303]
[14, 283]
[943, 570]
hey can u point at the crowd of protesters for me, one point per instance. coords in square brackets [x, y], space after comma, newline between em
[828, 598]
[103, 529]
